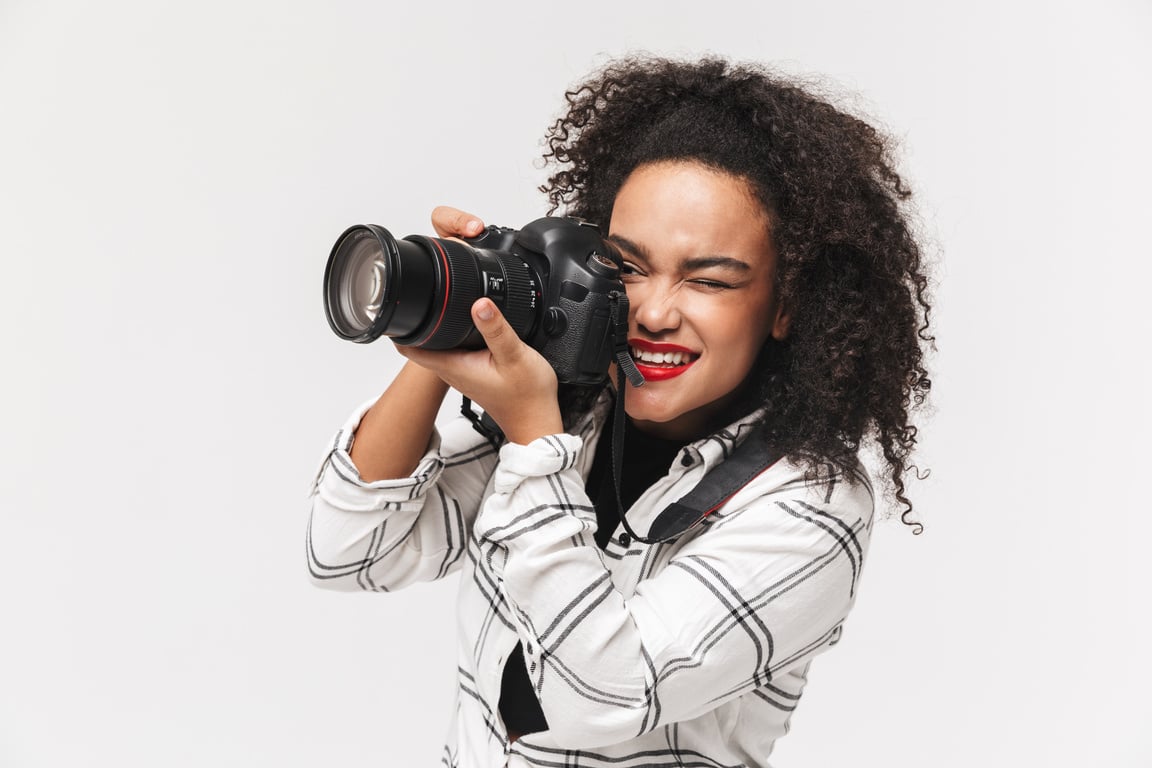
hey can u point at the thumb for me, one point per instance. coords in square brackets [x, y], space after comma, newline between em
[502, 341]
[453, 222]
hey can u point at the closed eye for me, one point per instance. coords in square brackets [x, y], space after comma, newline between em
[715, 284]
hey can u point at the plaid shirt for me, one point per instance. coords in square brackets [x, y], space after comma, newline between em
[691, 652]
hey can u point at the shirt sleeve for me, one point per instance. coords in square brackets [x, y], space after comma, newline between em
[385, 534]
[760, 589]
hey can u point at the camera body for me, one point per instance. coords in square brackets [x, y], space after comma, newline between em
[556, 281]
[577, 279]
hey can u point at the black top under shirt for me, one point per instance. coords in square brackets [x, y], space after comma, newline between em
[646, 459]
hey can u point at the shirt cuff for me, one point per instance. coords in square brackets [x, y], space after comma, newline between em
[543, 456]
[339, 482]
[527, 510]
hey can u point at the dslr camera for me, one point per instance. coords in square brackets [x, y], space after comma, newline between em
[556, 281]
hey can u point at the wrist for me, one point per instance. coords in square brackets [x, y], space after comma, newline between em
[418, 376]
[532, 425]
[528, 434]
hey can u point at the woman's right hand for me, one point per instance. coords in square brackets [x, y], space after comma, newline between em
[453, 222]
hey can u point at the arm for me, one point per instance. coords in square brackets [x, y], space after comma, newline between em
[392, 505]
[759, 591]
[384, 534]
[393, 502]
[394, 433]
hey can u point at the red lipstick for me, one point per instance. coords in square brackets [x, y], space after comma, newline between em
[661, 371]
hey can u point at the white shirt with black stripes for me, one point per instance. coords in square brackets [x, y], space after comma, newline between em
[688, 652]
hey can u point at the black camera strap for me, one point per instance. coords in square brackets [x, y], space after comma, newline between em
[482, 423]
[721, 483]
[748, 460]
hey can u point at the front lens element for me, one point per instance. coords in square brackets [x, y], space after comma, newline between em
[362, 293]
[359, 281]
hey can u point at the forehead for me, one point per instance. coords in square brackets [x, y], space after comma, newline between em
[686, 210]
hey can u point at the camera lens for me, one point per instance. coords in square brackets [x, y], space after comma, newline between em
[363, 293]
[363, 283]
[420, 290]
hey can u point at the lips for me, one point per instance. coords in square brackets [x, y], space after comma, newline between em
[658, 361]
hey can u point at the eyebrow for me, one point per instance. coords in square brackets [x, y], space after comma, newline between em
[699, 262]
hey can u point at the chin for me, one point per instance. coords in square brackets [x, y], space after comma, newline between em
[665, 420]
[642, 406]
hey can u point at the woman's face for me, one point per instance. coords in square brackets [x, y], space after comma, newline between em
[699, 268]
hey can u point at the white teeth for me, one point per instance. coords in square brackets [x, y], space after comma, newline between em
[661, 358]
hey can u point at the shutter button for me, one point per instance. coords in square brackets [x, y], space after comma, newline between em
[625, 539]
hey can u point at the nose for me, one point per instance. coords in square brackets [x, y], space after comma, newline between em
[654, 308]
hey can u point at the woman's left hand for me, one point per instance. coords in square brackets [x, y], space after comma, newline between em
[509, 380]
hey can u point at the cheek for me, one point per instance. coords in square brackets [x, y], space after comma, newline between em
[636, 295]
[742, 334]
[738, 323]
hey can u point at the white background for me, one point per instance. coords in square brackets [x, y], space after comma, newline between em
[172, 177]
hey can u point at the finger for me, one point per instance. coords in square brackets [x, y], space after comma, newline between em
[498, 335]
[453, 222]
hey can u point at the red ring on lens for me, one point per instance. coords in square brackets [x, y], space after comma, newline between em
[447, 289]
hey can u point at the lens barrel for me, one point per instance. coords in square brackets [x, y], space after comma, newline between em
[420, 290]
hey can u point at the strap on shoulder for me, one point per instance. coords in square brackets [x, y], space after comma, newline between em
[721, 483]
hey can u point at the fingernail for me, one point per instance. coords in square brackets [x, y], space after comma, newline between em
[485, 312]
[473, 226]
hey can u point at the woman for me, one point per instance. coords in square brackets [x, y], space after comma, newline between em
[776, 291]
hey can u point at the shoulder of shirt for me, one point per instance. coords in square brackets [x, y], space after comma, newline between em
[790, 491]
[838, 490]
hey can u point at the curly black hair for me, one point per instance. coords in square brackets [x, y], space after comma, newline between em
[850, 271]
